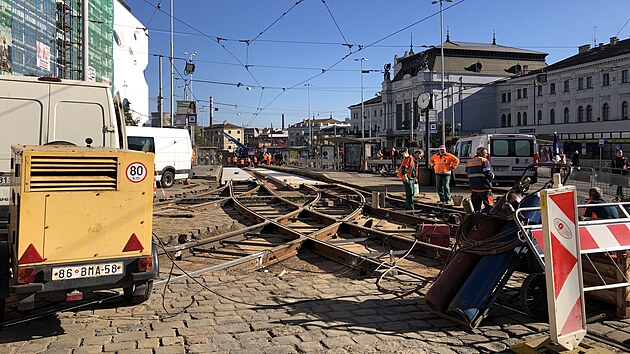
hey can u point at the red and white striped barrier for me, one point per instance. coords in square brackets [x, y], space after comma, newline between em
[612, 236]
[563, 266]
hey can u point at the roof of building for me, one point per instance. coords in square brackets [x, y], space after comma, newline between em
[613, 49]
[373, 100]
[224, 125]
[471, 58]
[317, 121]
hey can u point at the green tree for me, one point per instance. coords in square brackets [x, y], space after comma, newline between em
[127, 113]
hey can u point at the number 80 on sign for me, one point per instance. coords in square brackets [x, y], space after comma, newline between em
[136, 172]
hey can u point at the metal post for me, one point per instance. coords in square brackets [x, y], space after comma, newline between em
[442, 60]
[413, 109]
[85, 40]
[160, 113]
[310, 125]
[171, 60]
[452, 110]
[361, 60]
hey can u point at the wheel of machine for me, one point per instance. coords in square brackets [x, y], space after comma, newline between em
[132, 299]
[168, 179]
[534, 295]
[138, 299]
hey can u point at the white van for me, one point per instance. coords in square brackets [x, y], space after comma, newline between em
[172, 148]
[40, 111]
[510, 155]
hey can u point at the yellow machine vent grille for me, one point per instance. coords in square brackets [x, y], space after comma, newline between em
[66, 173]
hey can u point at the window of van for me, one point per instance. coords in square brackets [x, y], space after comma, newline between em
[511, 147]
[141, 143]
[466, 149]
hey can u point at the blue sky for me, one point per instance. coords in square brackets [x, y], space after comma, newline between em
[292, 41]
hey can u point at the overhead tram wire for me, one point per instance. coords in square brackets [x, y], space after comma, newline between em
[338, 28]
[622, 27]
[274, 22]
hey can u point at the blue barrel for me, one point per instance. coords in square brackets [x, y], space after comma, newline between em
[475, 295]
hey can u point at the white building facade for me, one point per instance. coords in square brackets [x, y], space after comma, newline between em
[583, 98]
[131, 58]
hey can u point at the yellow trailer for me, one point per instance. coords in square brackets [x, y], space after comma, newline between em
[80, 220]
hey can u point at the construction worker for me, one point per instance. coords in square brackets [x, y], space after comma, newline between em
[235, 160]
[598, 212]
[255, 160]
[418, 157]
[407, 172]
[480, 177]
[442, 163]
[249, 161]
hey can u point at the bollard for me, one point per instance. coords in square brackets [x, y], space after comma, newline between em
[376, 200]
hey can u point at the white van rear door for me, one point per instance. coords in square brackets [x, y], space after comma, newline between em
[77, 113]
[511, 156]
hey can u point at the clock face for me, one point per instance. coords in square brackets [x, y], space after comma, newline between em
[423, 100]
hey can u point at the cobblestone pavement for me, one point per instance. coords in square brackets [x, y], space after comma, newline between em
[303, 306]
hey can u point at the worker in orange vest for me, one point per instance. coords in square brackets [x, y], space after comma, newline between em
[407, 172]
[442, 163]
[235, 160]
[249, 161]
[255, 161]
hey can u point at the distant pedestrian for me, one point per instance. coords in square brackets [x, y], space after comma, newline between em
[575, 160]
[407, 173]
[392, 154]
[619, 166]
[480, 178]
[442, 163]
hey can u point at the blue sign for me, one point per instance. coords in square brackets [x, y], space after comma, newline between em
[432, 128]
[601, 143]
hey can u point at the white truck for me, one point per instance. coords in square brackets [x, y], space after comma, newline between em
[172, 148]
[39, 111]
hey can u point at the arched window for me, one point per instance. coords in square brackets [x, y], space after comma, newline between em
[524, 118]
[509, 121]
[624, 110]
[518, 119]
[552, 116]
[539, 116]
[503, 121]
[605, 111]
[580, 114]
[589, 113]
[566, 114]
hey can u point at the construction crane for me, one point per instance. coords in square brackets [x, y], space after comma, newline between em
[243, 150]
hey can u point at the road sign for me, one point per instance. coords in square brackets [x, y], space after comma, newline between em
[192, 119]
[601, 143]
[433, 128]
[563, 266]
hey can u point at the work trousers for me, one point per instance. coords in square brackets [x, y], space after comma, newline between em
[409, 189]
[479, 198]
[442, 182]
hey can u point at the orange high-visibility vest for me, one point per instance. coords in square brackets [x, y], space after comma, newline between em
[442, 164]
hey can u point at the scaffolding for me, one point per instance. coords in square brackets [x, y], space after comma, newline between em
[33, 30]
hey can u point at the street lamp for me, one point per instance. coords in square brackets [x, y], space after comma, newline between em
[442, 59]
[189, 69]
[310, 122]
[361, 60]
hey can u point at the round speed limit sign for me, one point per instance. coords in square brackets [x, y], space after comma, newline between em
[136, 172]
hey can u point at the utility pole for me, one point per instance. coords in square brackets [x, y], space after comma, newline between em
[171, 61]
[160, 97]
[361, 60]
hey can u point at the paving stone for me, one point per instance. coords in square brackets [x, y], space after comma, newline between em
[252, 335]
[367, 339]
[198, 339]
[167, 341]
[281, 349]
[493, 347]
[148, 343]
[156, 326]
[90, 349]
[232, 328]
[202, 348]
[96, 340]
[285, 340]
[129, 336]
[161, 333]
[619, 336]
[337, 342]
[171, 349]
[114, 347]
[136, 351]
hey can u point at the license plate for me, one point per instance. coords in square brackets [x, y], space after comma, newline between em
[4, 181]
[88, 271]
[501, 169]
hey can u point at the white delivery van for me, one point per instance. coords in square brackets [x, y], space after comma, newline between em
[510, 155]
[172, 148]
[40, 111]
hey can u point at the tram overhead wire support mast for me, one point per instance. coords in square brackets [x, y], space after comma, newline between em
[361, 60]
[442, 61]
[310, 122]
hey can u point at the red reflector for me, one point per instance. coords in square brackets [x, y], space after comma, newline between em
[26, 275]
[30, 256]
[145, 264]
[74, 296]
[133, 244]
